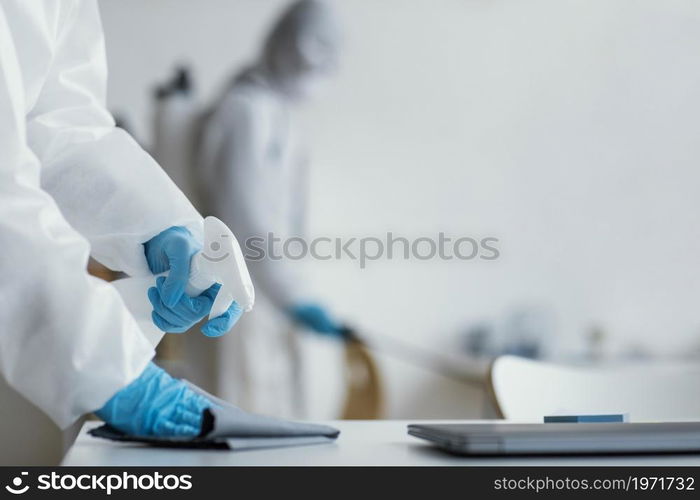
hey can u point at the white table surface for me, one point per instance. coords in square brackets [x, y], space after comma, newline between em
[382, 442]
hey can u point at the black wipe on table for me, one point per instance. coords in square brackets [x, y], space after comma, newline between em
[228, 427]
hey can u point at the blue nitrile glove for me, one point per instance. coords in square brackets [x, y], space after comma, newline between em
[172, 250]
[189, 310]
[316, 318]
[173, 310]
[156, 404]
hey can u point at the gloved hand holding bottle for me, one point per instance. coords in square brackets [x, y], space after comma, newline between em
[316, 318]
[173, 310]
[156, 404]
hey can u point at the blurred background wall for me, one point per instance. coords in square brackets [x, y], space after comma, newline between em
[568, 129]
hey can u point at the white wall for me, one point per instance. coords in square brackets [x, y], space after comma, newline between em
[567, 128]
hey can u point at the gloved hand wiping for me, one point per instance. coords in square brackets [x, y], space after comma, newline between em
[156, 404]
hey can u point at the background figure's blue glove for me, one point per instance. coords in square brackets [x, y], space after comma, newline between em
[172, 250]
[155, 404]
[189, 310]
[316, 318]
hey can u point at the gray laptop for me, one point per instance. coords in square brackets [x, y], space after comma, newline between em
[562, 438]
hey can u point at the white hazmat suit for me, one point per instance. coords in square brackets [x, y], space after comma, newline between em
[72, 185]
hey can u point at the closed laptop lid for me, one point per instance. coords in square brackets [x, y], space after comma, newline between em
[562, 438]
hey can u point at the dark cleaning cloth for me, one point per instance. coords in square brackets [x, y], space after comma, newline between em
[226, 426]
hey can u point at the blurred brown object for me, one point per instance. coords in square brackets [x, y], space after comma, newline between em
[99, 271]
[365, 394]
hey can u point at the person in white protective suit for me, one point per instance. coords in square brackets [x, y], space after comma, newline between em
[253, 175]
[74, 185]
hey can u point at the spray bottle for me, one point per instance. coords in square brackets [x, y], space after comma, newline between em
[220, 261]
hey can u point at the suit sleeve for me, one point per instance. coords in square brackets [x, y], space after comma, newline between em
[107, 187]
[67, 343]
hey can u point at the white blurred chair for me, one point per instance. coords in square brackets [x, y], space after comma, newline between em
[528, 390]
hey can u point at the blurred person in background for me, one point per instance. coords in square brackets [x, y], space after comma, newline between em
[252, 170]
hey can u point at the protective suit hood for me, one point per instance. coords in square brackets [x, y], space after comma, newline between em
[302, 48]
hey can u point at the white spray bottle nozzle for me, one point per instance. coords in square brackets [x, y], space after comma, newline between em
[221, 261]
